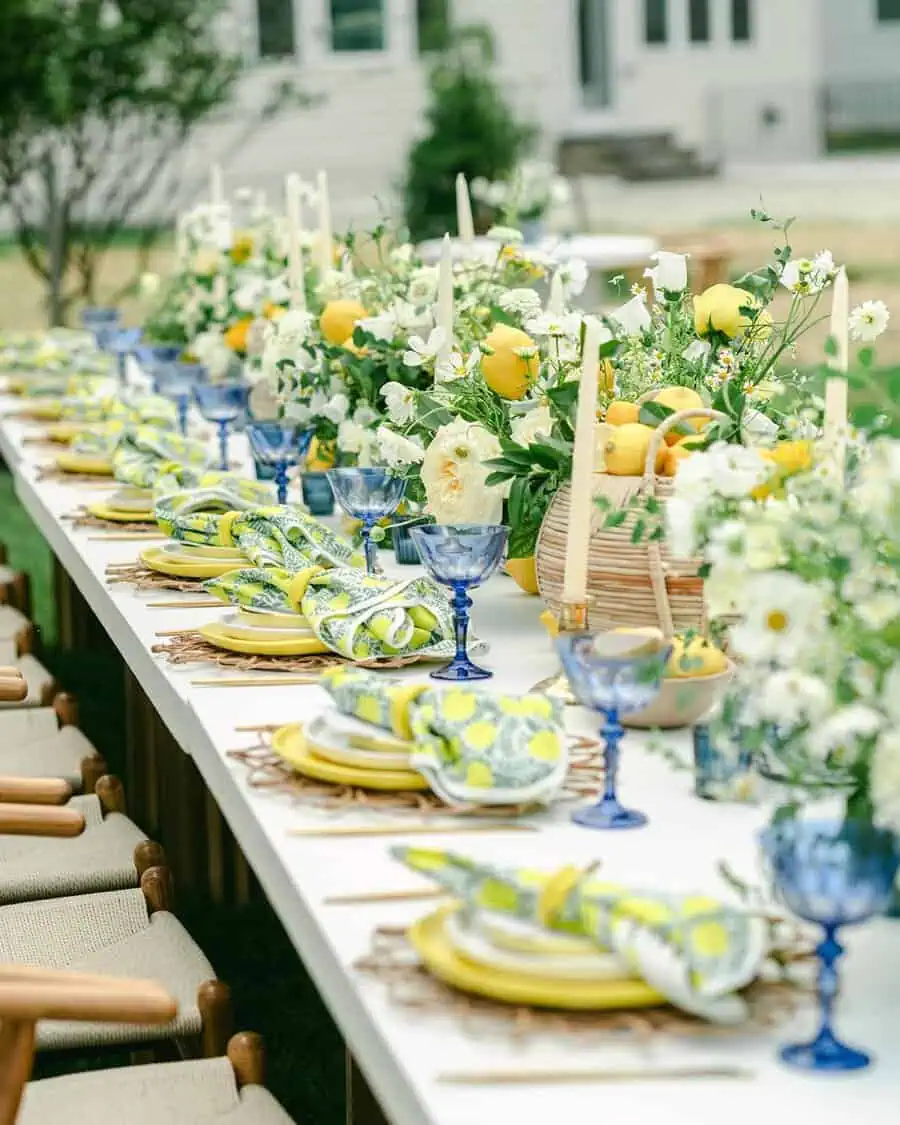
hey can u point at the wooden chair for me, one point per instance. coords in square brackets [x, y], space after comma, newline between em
[45, 742]
[15, 627]
[15, 588]
[42, 688]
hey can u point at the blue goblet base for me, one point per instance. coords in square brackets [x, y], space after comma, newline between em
[609, 814]
[825, 1053]
[461, 670]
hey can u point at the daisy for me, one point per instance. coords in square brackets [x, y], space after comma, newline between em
[457, 366]
[401, 402]
[782, 617]
[869, 320]
[422, 353]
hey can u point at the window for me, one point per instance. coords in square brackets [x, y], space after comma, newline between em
[275, 22]
[655, 21]
[741, 29]
[698, 21]
[433, 25]
[888, 11]
[357, 25]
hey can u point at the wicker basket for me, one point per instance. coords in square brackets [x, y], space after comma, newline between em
[628, 584]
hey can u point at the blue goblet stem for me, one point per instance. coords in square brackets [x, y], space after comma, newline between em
[122, 362]
[368, 546]
[462, 603]
[613, 732]
[281, 480]
[183, 402]
[223, 444]
[829, 952]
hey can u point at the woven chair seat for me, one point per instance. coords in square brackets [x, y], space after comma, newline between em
[181, 1093]
[59, 755]
[112, 934]
[40, 681]
[100, 859]
[12, 623]
[34, 724]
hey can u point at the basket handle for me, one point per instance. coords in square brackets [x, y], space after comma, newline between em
[667, 424]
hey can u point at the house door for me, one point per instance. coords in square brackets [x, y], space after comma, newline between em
[595, 55]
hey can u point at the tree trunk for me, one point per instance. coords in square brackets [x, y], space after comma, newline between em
[56, 244]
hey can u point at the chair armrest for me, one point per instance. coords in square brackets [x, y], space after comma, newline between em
[55, 995]
[34, 790]
[13, 688]
[40, 820]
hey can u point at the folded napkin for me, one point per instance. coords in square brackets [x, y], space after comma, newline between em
[359, 616]
[184, 492]
[694, 950]
[144, 453]
[473, 746]
[276, 536]
[101, 440]
[150, 410]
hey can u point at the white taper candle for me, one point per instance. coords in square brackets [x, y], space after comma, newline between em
[464, 222]
[582, 494]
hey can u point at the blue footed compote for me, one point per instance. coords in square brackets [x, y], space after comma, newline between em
[367, 495]
[222, 403]
[281, 445]
[835, 873]
[461, 557]
[122, 343]
[614, 685]
[176, 381]
[100, 320]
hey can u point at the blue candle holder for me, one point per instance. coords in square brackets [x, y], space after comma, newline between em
[405, 551]
[834, 873]
[317, 493]
[367, 495]
[614, 686]
[460, 557]
[281, 445]
[101, 320]
[223, 404]
[718, 772]
[177, 382]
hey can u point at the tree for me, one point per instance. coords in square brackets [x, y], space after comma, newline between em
[471, 129]
[97, 100]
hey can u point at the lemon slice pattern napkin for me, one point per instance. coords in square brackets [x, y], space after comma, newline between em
[694, 950]
[144, 454]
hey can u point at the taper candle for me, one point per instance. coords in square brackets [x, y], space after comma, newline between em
[581, 501]
[296, 269]
[216, 185]
[557, 300]
[836, 385]
[324, 249]
[464, 221]
[445, 301]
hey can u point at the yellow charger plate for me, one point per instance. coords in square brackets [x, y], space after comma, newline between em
[290, 744]
[49, 411]
[79, 463]
[64, 432]
[159, 560]
[429, 939]
[217, 634]
[116, 515]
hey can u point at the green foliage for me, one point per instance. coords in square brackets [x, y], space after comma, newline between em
[471, 129]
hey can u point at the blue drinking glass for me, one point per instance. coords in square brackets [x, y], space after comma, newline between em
[281, 445]
[101, 320]
[367, 495]
[222, 403]
[122, 343]
[614, 686]
[835, 873]
[176, 381]
[461, 557]
[317, 493]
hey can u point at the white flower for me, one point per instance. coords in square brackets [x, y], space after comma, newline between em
[402, 255]
[298, 412]
[423, 285]
[533, 426]
[382, 327]
[782, 617]
[364, 415]
[869, 320]
[632, 317]
[697, 352]
[250, 294]
[507, 235]
[879, 609]
[336, 408]
[884, 781]
[422, 353]
[454, 474]
[790, 698]
[842, 731]
[400, 401]
[457, 366]
[890, 695]
[524, 303]
[563, 325]
[669, 275]
[681, 530]
[212, 352]
[729, 470]
[397, 450]
[805, 276]
[294, 327]
[410, 318]
[574, 275]
[150, 284]
[350, 437]
[757, 425]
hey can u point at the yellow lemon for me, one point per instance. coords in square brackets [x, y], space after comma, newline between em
[321, 456]
[273, 312]
[602, 434]
[718, 309]
[236, 336]
[696, 657]
[678, 399]
[505, 371]
[524, 573]
[626, 450]
[619, 413]
[354, 349]
[675, 454]
[791, 456]
[338, 320]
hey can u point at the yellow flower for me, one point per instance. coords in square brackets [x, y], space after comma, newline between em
[718, 309]
[241, 248]
[236, 336]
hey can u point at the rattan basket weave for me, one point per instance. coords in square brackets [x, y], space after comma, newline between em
[628, 584]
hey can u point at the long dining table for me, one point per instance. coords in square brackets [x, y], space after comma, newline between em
[410, 1054]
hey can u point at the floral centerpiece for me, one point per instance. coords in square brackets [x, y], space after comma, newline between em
[525, 197]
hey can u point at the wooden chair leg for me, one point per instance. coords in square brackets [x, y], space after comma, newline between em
[247, 1056]
[25, 642]
[92, 769]
[214, 1002]
[49, 694]
[158, 890]
[3, 554]
[66, 708]
[111, 792]
[148, 854]
[21, 593]
[16, 1059]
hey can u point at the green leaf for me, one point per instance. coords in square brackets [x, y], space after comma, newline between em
[498, 478]
[866, 357]
[831, 347]
[652, 413]
[616, 519]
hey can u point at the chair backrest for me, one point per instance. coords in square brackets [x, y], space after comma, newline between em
[28, 994]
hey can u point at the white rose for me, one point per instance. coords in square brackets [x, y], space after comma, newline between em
[336, 409]
[400, 401]
[454, 474]
[632, 317]
[397, 450]
[350, 436]
[670, 272]
[534, 425]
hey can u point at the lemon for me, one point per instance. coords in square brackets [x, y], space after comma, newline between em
[507, 373]
[674, 455]
[694, 657]
[718, 309]
[338, 320]
[678, 399]
[603, 433]
[354, 349]
[236, 336]
[619, 413]
[320, 457]
[626, 450]
[524, 572]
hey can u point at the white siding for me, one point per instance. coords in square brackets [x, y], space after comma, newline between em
[856, 47]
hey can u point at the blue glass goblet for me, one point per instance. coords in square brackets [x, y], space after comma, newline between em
[176, 381]
[281, 445]
[101, 320]
[614, 686]
[461, 557]
[222, 403]
[836, 874]
[367, 495]
[122, 343]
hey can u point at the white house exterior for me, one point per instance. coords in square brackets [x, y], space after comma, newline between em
[729, 79]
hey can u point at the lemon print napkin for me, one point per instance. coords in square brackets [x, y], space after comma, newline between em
[275, 536]
[184, 497]
[474, 747]
[358, 616]
[694, 950]
[144, 453]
